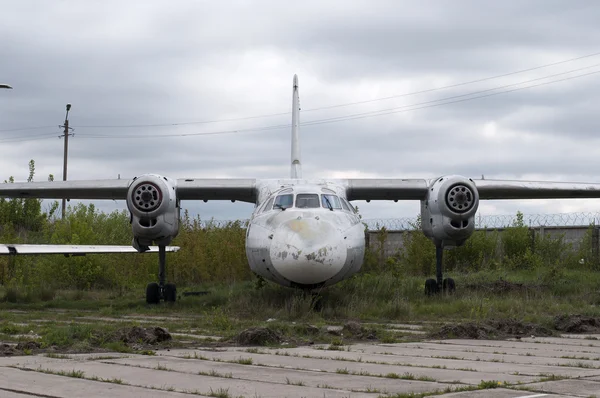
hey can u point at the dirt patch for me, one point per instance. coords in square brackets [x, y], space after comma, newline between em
[465, 331]
[258, 336]
[28, 345]
[493, 329]
[140, 335]
[577, 324]
[358, 331]
[9, 350]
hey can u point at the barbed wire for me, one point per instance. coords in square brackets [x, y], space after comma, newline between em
[495, 221]
[481, 221]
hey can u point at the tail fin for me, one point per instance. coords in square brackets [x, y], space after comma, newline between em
[296, 165]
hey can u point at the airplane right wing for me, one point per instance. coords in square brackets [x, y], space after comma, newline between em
[232, 189]
[87, 189]
[240, 189]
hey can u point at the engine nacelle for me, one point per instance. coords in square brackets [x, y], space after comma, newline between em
[448, 212]
[152, 202]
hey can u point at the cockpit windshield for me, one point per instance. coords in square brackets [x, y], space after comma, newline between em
[307, 201]
[330, 201]
[284, 201]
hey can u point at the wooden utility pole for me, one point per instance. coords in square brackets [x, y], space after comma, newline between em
[66, 151]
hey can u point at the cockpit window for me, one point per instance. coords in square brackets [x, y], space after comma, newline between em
[345, 205]
[352, 208]
[330, 202]
[307, 201]
[284, 201]
[269, 205]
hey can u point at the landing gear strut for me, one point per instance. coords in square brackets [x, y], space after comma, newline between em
[434, 286]
[161, 291]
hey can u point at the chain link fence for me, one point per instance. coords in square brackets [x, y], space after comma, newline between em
[495, 221]
[481, 221]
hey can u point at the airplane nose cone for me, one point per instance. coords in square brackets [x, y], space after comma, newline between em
[308, 251]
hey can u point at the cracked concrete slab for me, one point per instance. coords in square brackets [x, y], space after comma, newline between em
[579, 388]
[32, 383]
[502, 393]
[286, 376]
[550, 368]
[333, 364]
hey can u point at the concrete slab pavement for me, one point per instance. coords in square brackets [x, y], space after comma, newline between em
[551, 368]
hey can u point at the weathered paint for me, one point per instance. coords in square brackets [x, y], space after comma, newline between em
[304, 247]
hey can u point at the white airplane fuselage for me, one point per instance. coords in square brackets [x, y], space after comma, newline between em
[304, 234]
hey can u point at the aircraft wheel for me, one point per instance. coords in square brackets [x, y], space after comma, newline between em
[170, 292]
[431, 287]
[449, 286]
[152, 293]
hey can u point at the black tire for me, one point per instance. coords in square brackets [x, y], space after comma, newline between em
[170, 293]
[449, 285]
[152, 293]
[431, 287]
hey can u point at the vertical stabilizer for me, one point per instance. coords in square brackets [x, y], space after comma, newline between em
[296, 165]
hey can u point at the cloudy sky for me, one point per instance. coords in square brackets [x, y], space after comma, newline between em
[148, 80]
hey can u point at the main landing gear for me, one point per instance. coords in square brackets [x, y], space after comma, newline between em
[161, 291]
[433, 286]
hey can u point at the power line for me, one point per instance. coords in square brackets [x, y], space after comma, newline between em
[26, 128]
[349, 103]
[405, 108]
[29, 138]
[325, 121]
[452, 85]
[324, 107]
[468, 94]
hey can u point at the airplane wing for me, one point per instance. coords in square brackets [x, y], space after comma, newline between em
[513, 189]
[189, 188]
[75, 250]
[240, 189]
[89, 189]
[416, 189]
[386, 189]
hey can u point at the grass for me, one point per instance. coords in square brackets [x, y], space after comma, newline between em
[76, 321]
[243, 361]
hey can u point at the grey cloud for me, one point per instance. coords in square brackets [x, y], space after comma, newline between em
[152, 62]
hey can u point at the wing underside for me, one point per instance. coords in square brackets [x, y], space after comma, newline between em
[512, 189]
[240, 189]
[416, 189]
[245, 190]
[21, 249]
[187, 189]
[89, 189]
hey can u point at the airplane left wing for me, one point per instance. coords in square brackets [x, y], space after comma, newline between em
[417, 189]
[386, 189]
[514, 189]
[75, 250]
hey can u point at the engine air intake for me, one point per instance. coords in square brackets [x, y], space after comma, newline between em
[146, 197]
[460, 199]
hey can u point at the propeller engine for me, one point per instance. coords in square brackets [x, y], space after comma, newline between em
[152, 202]
[448, 212]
